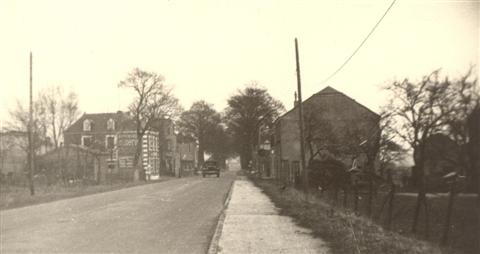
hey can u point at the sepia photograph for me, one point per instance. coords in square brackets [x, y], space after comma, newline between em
[240, 127]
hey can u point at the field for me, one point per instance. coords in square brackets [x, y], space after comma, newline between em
[463, 234]
[349, 233]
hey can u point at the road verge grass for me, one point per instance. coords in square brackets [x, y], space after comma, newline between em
[345, 232]
[19, 196]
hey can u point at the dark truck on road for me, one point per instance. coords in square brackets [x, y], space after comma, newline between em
[210, 168]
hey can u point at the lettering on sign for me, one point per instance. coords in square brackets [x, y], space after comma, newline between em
[125, 162]
[127, 140]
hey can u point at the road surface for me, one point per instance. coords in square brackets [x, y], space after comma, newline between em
[176, 216]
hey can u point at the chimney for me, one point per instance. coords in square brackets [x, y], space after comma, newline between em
[295, 102]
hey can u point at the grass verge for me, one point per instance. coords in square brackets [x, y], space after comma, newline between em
[463, 233]
[16, 196]
[345, 233]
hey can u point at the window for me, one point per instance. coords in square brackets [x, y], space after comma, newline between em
[110, 142]
[87, 125]
[151, 142]
[169, 145]
[169, 130]
[110, 124]
[87, 140]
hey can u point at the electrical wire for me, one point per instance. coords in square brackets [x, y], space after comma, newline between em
[361, 44]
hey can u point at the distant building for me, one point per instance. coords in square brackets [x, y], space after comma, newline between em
[188, 151]
[442, 156]
[335, 125]
[169, 160]
[115, 133]
[74, 162]
[98, 131]
[13, 153]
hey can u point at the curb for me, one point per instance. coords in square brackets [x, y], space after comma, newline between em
[213, 248]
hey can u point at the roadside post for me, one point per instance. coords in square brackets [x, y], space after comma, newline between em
[300, 119]
[451, 179]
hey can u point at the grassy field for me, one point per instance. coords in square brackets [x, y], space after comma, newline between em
[348, 233]
[19, 196]
[464, 230]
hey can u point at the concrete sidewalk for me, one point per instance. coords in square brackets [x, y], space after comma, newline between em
[253, 225]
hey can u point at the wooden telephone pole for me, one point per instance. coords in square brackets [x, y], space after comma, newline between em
[304, 169]
[30, 136]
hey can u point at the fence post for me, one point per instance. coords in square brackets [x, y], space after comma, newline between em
[355, 193]
[446, 226]
[390, 206]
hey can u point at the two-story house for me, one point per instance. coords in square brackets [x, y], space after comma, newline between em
[115, 133]
[334, 125]
[98, 131]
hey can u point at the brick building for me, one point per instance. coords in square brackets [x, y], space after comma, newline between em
[115, 134]
[167, 149]
[335, 125]
[188, 152]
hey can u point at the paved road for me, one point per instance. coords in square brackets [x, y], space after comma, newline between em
[177, 216]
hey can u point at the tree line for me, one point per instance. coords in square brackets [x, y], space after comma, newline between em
[416, 111]
[222, 134]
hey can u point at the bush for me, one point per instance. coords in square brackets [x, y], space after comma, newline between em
[324, 173]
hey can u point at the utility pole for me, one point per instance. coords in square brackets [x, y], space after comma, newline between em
[300, 119]
[30, 136]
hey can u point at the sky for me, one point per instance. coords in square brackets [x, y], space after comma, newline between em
[210, 49]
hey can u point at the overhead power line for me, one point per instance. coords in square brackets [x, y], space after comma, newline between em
[361, 44]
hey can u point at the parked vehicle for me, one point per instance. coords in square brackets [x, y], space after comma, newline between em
[210, 168]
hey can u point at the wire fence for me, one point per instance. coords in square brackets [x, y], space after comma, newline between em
[393, 208]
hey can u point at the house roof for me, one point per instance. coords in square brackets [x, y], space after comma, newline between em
[328, 91]
[74, 147]
[183, 138]
[99, 122]
[14, 133]
[161, 122]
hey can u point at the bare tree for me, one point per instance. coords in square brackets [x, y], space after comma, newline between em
[467, 100]
[419, 110]
[60, 110]
[19, 118]
[153, 100]
[390, 151]
[338, 139]
[19, 122]
[319, 135]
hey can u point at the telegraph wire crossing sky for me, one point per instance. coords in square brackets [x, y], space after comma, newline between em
[210, 49]
[361, 44]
